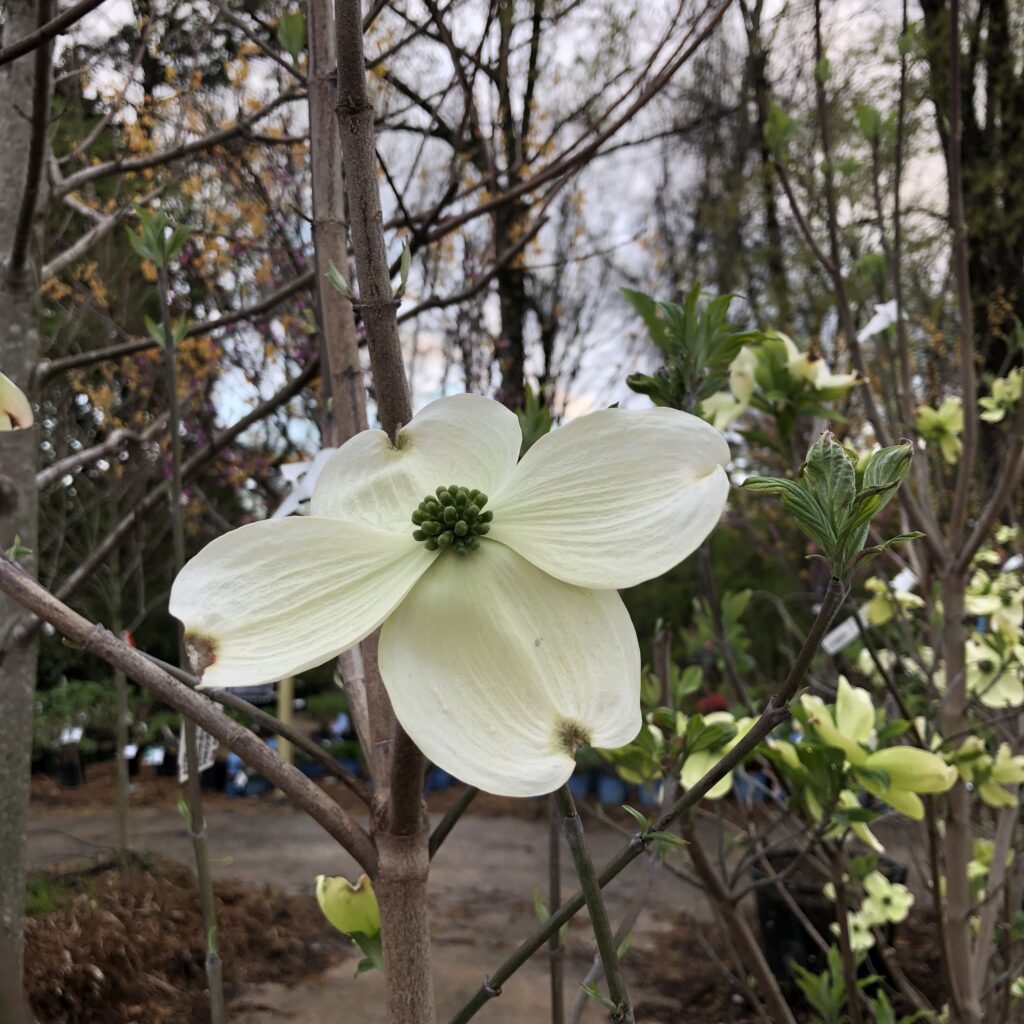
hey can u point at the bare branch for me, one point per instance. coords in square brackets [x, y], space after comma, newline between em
[240, 127]
[18, 257]
[51, 367]
[48, 30]
[116, 440]
[95, 639]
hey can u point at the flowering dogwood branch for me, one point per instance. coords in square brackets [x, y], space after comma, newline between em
[95, 639]
[271, 724]
[775, 712]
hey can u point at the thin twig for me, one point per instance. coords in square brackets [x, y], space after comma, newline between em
[95, 639]
[48, 30]
[450, 819]
[622, 1012]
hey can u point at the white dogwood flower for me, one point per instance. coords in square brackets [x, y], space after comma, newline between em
[15, 410]
[505, 646]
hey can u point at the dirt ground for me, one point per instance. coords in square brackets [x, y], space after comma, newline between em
[285, 965]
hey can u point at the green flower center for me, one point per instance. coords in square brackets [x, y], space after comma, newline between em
[452, 517]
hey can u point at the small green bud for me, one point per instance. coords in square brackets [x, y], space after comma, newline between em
[483, 529]
[418, 535]
[480, 500]
[461, 528]
[430, 528]
[471, 513]
[444, 540]
[486, 517]
[432, 507]
[450, 515]
[352, 909]
[430, 544]
[440, 490]
[418, 516]
[445, 498]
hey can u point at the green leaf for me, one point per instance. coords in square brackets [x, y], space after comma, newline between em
[651, 314]
[142, 247]
[907, 40]
[373, 952]
[806, 510]
[875, 775]
[600, 997]
[869, 120]
[337, 279]
[665, 840]
[540, 907]
[690, 681]
[862, 865]
[156, 331]
[779, 129]
[823, 70]
[715, 735]
[403, 270]
[664, 719]
[873, 552]
[179, 236]
[640, 819]
[17, 549]
[291, 33]
[832, 476]
[850, 815]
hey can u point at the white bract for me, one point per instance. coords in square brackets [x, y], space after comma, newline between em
[885, 902]
[504, 645]
[15, 410]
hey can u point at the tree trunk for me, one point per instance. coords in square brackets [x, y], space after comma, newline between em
[342, 391]
[509, 224]
[401, 889]
[19, 353]
[958, 838]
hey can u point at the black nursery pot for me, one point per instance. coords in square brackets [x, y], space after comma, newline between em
[70, 772]
[783, 936]
[215, 777]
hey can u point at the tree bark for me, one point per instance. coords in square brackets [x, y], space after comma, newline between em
[958, 839]
[509, 222]
[401, 828]
[401, 888]
[342, 390]
[19, 353]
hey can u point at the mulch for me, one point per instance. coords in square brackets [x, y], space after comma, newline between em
[126, 945]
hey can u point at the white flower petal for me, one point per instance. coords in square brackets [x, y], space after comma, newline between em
[616, 497]
[280, 596]
[464, 439]
[492, 664]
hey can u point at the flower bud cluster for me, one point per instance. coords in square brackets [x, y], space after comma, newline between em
[452, 517]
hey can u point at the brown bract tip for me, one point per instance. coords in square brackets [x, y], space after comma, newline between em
[201, 651]
[570, 736]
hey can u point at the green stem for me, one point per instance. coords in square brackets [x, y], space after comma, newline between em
[591, 889]
[448, 822]
[197, 820]
[556, 949]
